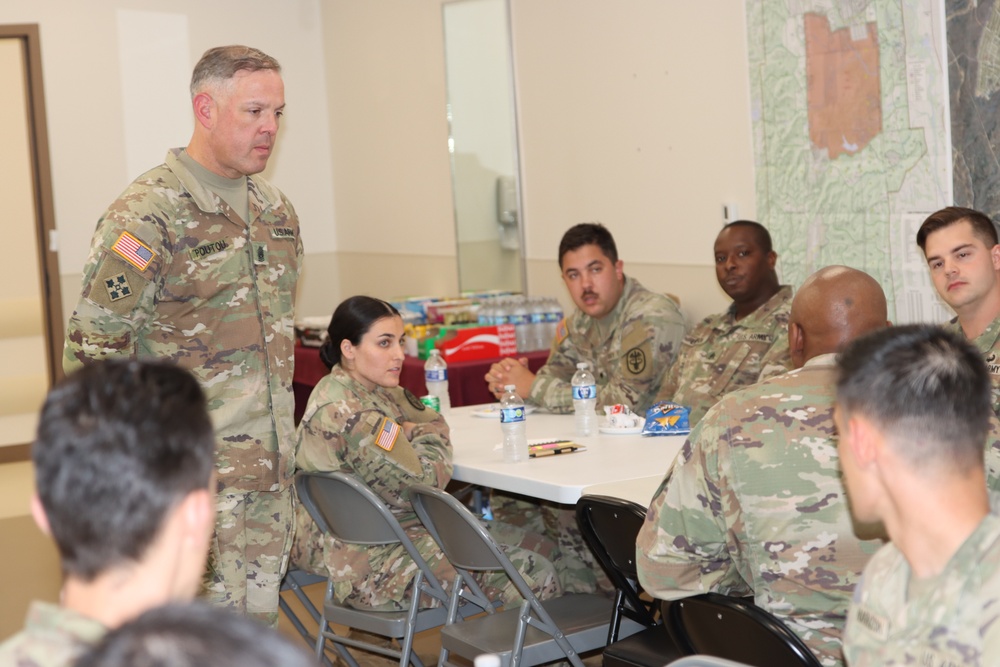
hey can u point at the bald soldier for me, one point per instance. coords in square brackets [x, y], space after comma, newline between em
[755, 504]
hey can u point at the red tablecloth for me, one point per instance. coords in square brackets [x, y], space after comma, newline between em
[465, 378]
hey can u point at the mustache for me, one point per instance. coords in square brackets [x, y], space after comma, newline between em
[589, 293]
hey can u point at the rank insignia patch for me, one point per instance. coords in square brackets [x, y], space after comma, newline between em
[387, 432]
[133, 251]
[118, 287]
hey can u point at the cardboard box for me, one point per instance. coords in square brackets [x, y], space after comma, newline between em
[469, 344]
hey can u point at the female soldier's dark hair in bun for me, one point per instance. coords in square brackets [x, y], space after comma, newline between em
[351, 321]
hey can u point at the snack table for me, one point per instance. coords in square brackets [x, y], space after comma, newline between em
[627, 466]
[466, 385]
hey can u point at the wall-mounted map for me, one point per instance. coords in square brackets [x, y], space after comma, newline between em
[850, 137]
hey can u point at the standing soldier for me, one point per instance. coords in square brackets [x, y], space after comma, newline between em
[197, 262]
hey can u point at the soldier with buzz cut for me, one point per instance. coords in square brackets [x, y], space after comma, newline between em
[754, 504]
[912, 411]
[197, 262]
[123, 466]
[747, 342]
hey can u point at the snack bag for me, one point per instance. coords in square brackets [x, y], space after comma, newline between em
[666, 418]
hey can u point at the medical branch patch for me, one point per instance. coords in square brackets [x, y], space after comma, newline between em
[635, 359]
[133, 251]
[118, 287]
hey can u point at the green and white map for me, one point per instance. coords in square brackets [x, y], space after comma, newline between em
[852, 151]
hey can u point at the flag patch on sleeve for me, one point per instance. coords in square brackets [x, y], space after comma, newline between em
[133, 251]
[387, 433]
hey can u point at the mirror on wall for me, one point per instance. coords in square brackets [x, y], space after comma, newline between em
[483, 145]
[32, 325]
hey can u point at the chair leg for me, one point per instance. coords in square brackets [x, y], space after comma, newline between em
[616, 616]
[411, 624]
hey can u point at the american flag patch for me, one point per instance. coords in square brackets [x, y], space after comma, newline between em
[387, 433]
[133, 251]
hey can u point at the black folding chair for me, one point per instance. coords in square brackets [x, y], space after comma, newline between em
[735, 629]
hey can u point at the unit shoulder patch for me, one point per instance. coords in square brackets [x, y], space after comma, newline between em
[412, 399]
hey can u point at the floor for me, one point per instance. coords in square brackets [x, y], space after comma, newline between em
[427, 643]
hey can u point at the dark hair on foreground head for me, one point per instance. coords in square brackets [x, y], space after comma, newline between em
[762, 236]
[119, 443]
[351, 321]
[982, 226]
[925, 388]
[195, 635]
[219, 65]
[587, 233]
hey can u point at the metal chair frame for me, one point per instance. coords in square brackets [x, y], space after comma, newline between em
[536, 632]
[346, 508]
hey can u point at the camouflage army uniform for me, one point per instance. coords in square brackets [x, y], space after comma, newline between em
[988, 343]
[952, 618]
[630, 350]
[755, 506]
[340, 431]
[52, 637]
[174, 272]
[722, 354]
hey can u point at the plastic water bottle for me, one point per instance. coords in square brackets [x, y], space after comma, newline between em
[515, 441]
[436, 378]
[520, 319]
[536, 310]
[553, 313]
[584, 399]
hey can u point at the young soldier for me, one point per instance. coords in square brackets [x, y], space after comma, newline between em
[913, 410]
[960, 245]
[123, 468]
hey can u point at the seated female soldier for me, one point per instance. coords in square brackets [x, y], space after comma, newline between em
[360, 421]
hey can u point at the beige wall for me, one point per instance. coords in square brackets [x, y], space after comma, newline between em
[634, 113]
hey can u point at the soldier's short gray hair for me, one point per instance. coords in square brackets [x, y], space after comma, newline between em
[218, 65]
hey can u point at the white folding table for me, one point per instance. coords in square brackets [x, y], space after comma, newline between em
[626, 466]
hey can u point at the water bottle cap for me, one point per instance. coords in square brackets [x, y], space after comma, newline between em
[583, 365]
[509, 387]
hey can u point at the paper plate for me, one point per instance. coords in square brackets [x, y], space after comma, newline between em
[609, 430]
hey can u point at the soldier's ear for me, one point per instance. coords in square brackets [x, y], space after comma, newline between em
[346, 349]
[39, 515]
[204, 109]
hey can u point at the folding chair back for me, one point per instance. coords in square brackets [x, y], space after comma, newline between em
[536, 633]
[736, 629]
[610, 526]
[347, 509]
